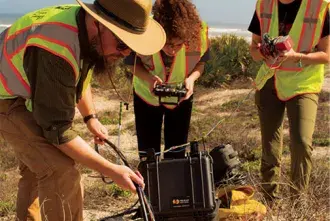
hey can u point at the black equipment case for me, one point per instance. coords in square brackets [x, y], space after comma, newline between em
[181, 189]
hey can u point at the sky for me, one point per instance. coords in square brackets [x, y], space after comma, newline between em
[220, 11]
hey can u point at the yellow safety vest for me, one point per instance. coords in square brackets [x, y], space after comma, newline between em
[290, 79]
[53, 29]
[183, 64]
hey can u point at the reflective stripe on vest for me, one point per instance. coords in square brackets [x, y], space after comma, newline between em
[5, 91]
[265, 14]
[53, 29]
[305, 33]
[183, 64]
[306, 27]
[193, 57]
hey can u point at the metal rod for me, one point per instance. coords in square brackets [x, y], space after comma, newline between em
[119, 128]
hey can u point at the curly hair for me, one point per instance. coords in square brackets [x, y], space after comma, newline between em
[180, 19]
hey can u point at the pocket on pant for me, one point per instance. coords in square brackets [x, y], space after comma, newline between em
[36, 163]
[29, 155]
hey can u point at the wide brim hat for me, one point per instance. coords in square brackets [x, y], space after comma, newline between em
[130, 21]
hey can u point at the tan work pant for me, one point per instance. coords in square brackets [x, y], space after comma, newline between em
[301, 112]
[49, 187]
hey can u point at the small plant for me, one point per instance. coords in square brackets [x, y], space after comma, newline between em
[321, 142]
[101, 190]
[116, 191]
[251, 166]
[109, 118]
[6, 207]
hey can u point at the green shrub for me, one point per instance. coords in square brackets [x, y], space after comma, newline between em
[230, 59]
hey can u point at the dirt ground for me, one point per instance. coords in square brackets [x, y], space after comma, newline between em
[204, 99]
[107, 105]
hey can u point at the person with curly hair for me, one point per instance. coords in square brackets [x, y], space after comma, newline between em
[181, 61]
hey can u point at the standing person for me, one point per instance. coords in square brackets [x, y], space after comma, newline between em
[291, 80]
[181, 60]
[46, 56]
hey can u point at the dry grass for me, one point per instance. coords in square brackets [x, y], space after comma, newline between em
[8, 189]
[313, 205]
[322, 127]
[241, 130]
[8, 180]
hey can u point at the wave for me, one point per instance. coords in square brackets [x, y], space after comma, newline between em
[213, 31]
[5, 25]
[217, 31]
[221, 30]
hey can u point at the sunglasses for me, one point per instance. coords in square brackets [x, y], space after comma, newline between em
[121, 46]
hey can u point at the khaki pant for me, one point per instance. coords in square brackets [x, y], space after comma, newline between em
[301, 112]
[49, 187]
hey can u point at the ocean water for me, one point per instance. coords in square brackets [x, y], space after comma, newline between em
[6, 20]
[215, 28]
[3, 27]
[219, 28]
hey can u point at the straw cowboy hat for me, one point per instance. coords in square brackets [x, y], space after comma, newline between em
[130, 21]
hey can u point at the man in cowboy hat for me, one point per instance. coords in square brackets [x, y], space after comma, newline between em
[45, 60]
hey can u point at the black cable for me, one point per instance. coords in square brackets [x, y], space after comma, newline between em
[147, 213]
[125, 212]
[142, 198]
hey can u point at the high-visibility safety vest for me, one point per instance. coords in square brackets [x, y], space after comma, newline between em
[183, 64]
[290, 79]
[53, 29]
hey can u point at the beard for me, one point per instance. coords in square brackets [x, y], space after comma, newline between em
[104, 67]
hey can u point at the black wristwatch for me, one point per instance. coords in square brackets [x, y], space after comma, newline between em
[88, 117]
